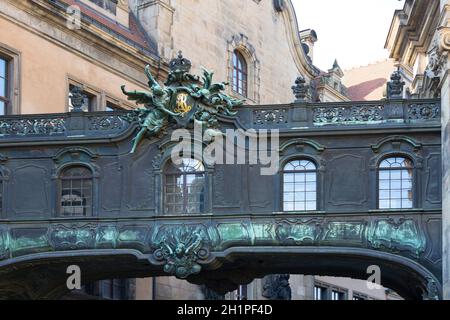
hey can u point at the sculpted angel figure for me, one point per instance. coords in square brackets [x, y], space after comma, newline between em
[155, 116]
[211, 94]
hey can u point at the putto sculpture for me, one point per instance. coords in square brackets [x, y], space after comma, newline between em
[183, 100]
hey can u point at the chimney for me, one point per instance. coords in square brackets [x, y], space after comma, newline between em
[156, 18]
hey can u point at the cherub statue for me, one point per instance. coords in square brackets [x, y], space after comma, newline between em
[211, 94]
[155, 116]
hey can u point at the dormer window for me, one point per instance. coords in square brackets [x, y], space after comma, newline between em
[108, 5]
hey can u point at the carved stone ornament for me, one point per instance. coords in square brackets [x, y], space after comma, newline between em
[300, 89]
[432, 290]
[181, 249]
[436, 61]
[395, 86]
[276, 287]
[183, 101]
[77, 98]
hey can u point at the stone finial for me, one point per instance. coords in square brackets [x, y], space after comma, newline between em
[300, 90]
[77, 98]
[395, 86]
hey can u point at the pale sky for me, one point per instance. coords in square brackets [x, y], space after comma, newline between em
[352, 31]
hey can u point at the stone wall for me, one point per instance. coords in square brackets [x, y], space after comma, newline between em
[51, 54]
[208, 31]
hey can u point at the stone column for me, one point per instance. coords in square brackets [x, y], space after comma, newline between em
[444, 48]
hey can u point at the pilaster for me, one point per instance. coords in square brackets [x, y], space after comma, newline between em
[443, 36]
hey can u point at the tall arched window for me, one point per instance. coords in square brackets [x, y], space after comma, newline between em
[76, 192]
[300, 186]
[185, 187]
[240, 73]
[395, 183]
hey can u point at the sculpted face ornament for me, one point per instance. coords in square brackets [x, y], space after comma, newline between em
[182, 101]
[181, 249]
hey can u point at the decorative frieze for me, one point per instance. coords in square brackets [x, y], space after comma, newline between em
[32, 126]
[348, 115]
[106, 123]
[424, 112]
[270, 116]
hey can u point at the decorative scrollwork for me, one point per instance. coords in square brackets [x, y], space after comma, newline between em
[73, 237]
[432, 290]
[30, 127]
[424, 111]
[348, 115]
[272, 116]
[106, 123]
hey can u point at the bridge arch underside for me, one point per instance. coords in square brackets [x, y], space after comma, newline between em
[43, 276]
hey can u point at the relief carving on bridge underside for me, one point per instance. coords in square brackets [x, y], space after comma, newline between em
[183, 249]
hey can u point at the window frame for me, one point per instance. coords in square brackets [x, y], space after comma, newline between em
[13, 79]
[6, 98]
[103, 6]
[413, 180]
[316, 171]
[241, 72]
[166, 174]
[323, 292]
[100, 97]
[91, 177]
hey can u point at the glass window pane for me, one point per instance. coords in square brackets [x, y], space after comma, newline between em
[288, 206]
[396, 194]
[2, 87]
[396, 204]
[2, 108]
[407, 204]
[384, 194]
[396, 174]
[310, 186]
[3, 64]
[384, 184]
[289, 177]
[311, 206]
[384, 175]
[289, 187]
[299, 206]
[310, 196]
[289, 196]
[396, 184]
[384, 204]
[406, 174]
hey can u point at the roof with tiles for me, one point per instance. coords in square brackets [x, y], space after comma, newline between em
[133, 35]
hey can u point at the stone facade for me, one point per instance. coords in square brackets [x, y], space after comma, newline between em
[111, 50]
[419, 41]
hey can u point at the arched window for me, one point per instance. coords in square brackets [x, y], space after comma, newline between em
[76, 192]
[395, 183]
[240, 73]
[185, 187]
[300, 186]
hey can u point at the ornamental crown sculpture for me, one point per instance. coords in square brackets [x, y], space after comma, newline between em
[184, 100]
[180, 64]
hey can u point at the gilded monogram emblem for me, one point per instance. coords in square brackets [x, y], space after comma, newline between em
[182, 106]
